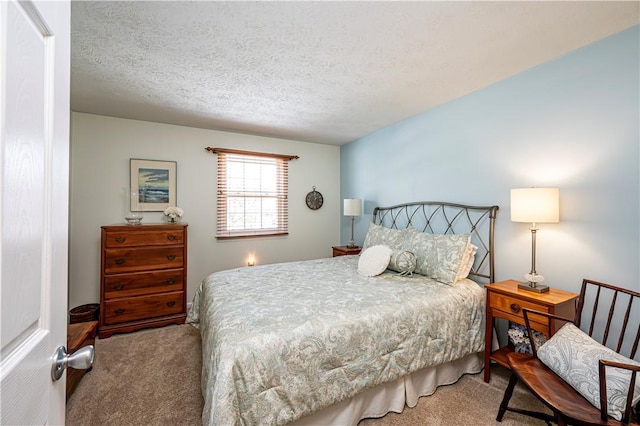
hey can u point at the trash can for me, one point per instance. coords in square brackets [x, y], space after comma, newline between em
[85, 313]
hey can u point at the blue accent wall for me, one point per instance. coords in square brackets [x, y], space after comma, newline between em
[572, 123]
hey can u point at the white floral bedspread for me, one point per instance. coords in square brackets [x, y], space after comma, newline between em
[282, 341]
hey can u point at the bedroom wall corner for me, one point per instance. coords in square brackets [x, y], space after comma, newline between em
[100, 151]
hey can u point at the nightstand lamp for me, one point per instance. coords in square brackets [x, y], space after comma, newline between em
[535, 205]
[353, 208]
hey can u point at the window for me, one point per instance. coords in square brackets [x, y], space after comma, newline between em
[252, 193]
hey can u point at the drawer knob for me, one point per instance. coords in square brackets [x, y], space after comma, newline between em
[171, 237]
[171, 256]
[170, 304]
[515, 308]
[171, 281]
[120, 261]
[120, 240]
[119, 311]
[119, 286]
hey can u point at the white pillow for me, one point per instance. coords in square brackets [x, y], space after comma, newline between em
[574, 356]
[374, 260]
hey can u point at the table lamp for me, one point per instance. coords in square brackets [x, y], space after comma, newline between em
[535, 205]
[353, 208]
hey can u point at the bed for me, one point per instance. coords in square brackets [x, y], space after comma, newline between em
[317, 342]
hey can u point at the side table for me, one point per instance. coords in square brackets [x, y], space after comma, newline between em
[78, 335]
[345, 250]
[505, 300]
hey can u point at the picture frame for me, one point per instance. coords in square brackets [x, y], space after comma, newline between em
[154, 183]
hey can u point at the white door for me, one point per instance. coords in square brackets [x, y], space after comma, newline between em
[34, 174]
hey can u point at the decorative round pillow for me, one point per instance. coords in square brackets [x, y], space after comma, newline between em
[403, 262]
[374, 260]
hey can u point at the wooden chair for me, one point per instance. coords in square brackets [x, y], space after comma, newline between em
[568, 406]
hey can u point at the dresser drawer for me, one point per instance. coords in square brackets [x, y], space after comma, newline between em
[141, 283]
[116, 239]
[142, 259]
[511, 309]
[143, 307]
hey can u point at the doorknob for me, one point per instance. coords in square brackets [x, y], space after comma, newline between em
[81, 359]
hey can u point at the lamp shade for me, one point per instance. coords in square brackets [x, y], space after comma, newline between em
[535, 205]
[352, 207]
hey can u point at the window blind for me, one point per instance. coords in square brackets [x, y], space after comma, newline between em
[252, 194]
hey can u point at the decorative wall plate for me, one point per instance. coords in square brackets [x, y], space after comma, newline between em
[314, 199]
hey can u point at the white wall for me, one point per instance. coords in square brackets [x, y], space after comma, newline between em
[100, 151]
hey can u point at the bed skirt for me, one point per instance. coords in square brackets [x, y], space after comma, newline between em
[393, 396]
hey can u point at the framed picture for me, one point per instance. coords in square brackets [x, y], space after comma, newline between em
[154, 182]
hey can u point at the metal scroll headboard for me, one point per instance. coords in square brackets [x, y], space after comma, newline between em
[436, 217]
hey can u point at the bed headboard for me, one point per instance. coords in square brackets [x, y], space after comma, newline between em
[436, 217]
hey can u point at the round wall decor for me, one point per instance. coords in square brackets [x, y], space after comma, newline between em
[314, 199]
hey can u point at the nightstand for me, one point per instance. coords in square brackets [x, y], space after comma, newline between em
[79, 335]
[344, 250]
[505, 300]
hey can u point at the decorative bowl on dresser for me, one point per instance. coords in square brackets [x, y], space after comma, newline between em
[143, 277]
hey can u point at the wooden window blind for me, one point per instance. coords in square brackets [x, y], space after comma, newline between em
[252, 194]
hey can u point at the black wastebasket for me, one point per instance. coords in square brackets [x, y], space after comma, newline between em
[85, 313]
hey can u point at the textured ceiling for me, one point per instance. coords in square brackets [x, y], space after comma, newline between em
[327, 72]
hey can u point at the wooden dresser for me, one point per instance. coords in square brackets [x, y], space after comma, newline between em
[143, 277]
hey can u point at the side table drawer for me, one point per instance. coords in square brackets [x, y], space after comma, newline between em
[511, 309]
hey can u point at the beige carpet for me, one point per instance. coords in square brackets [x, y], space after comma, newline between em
[152, 377]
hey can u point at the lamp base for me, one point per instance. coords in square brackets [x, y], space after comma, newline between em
[536, 288]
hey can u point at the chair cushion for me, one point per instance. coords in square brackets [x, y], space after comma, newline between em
[574, 356]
